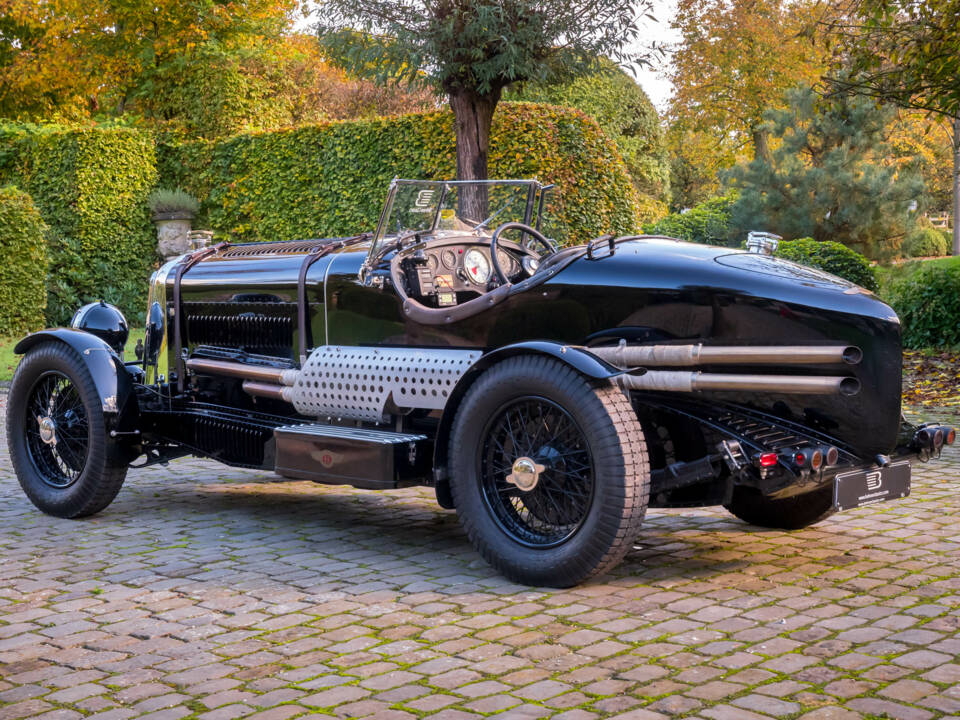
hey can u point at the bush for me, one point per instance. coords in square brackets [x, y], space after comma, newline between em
[624, 111]
[90, 187]
[172, 201]
[928, 303]
[925, 242]
[708, 223]
[331, 179]
[23, 246]
[832, 257]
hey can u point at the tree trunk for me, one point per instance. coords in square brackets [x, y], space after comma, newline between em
[472, 118]
[761, 144]
[956, 185]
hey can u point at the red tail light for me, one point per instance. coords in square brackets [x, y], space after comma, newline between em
[768, 459]
[951, 436]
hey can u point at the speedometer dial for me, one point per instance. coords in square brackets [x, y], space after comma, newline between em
[477, 267]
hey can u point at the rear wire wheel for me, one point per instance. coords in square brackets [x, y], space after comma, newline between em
[549, 472]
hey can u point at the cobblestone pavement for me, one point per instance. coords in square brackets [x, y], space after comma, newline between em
[215, 593]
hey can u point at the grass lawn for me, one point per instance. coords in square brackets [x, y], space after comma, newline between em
[8, 360]
[887, 274]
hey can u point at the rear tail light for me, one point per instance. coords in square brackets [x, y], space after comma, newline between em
[933, 437]
[809, 458]
[832, 455]
[767, 459]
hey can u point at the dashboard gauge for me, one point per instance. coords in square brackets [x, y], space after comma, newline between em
[530, 264]
[477, 267]
[432, 261]
[449, 259]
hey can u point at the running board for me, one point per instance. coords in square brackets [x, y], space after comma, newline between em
[339, 455]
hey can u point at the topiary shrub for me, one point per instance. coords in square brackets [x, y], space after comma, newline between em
[925, 242]
[832, 257]
[708, 223]
[331, 179]
[91, 187]
[624, 111]
[928, 303]
[23, 246]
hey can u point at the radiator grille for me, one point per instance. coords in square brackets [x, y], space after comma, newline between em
[265, 328]
[294, 247]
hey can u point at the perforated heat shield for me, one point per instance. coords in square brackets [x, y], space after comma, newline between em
[366, 383]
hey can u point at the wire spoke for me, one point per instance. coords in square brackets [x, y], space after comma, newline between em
[555, 506]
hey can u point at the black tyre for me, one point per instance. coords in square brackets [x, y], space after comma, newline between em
[64, 459]
[792, 513]
[549, 472]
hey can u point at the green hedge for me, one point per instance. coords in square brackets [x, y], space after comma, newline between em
[331, 179]
[90, 187]
[925, 242]
[928, 303]
[23, 246]
[832, 257]
[708, 223]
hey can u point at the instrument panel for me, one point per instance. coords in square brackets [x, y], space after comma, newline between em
[470, 263]
[444, 271]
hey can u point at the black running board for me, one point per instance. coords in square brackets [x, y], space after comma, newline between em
[338, 455]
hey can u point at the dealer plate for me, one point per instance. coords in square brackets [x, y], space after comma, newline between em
[866, 487]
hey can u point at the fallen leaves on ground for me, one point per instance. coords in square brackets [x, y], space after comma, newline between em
[931, 378]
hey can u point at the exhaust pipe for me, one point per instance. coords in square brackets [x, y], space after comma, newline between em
[678, 381]
[244, 372]
[266, 390]
[624, 355]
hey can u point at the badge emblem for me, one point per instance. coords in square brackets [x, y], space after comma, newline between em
[874, 480]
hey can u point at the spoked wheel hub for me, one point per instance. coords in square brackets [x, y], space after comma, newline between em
[57, 429]
[536, 471]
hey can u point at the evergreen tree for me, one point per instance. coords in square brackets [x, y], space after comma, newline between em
[830, 176]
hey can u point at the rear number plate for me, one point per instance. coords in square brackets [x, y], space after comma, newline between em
[866, 487]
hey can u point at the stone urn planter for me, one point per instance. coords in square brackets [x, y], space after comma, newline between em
[173, 233]
[173, 212]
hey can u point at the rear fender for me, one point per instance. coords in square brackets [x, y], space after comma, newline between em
[111, 379]
[583, 362]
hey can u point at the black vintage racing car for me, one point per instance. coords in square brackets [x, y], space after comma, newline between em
[549, 395]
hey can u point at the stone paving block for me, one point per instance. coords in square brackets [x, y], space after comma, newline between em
[218, 593]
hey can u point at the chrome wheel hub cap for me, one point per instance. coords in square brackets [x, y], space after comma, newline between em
[48, 430]
[525, 473]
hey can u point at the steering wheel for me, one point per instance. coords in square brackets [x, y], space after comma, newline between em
[495, 240]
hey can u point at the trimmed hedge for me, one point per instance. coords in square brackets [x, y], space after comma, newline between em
[832, 257]
[90, 187]
[23, 295]
[707, 223]
[925, 242]
[928, 303]
[331, 179]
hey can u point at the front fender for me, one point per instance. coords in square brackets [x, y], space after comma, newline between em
[112, 381]
[580, 360]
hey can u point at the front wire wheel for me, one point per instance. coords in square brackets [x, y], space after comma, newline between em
[549, 472]
[60, 448]
[57, 430]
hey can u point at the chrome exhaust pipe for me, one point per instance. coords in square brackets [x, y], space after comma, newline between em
[679, 381]
[242, 371]
[625, 356]
[266, 390]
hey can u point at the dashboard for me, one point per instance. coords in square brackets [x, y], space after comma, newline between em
[440, 274]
